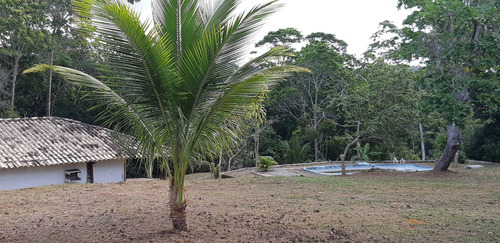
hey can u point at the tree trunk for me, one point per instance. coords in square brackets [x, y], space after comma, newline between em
[256, 139]
[342, 156]
[316, 149]
[178, 210]
[358, 152]
[148, 166]
[50, 84]
[454, 140]
[14, 79]
[220, 159]
[233, 156]
[342, 160]
[422, 141]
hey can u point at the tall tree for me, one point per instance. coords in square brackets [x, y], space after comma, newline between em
[282, 37]
[175, 86]
[380, 105]
[460, 41]
[59, 15]
[305, 96]
[21, 31]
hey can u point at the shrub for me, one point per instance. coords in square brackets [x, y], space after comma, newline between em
[265, 163]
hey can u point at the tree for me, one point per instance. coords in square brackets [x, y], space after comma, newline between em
[380, 104]
[282, 37]
[174, 85]
[305, 96]
[331, 40]
[21, 31]
[296, 152]
[59, 15]
[460, 41]
[486, 143]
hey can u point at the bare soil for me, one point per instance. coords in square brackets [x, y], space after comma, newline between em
[381, 206]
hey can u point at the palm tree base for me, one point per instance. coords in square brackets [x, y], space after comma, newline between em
[177, 212]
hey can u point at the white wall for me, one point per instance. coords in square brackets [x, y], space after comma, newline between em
[109, 171]
[16, 178]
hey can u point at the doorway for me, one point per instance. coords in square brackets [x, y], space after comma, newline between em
[90, 172]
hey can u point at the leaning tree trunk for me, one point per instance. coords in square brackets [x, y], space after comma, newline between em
[178, 210]
[454, 140]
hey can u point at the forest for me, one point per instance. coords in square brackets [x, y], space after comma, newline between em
[427, 91]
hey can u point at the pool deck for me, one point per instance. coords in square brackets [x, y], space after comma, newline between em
[290, 170]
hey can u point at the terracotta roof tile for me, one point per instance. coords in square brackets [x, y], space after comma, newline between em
[42, 141]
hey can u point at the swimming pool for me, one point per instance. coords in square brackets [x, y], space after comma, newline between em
[352, 169]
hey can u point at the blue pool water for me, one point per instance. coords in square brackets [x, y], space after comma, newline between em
[351, 169]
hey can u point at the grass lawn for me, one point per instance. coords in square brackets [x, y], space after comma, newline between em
[458, 206]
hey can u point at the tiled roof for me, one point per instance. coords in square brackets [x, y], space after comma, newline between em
[42, 141]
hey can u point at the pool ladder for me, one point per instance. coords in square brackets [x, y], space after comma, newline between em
[396, 161]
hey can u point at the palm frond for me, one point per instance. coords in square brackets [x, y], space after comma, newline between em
[179, 21]
[217, 12]
[223, 115]
[215, 55]
[140, 62]
[119, 114]
[240, 34]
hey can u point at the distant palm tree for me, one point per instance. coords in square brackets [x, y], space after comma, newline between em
[296, 152]
[174, 84]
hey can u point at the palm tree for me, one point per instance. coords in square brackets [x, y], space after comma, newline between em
[173, 81]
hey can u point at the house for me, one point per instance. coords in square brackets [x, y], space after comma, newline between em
[51, 150]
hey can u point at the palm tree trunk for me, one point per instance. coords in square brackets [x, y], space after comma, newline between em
[178, 210]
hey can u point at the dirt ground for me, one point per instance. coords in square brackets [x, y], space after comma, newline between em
[459, 206]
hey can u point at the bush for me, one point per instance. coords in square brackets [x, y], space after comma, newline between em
[265, 163]
[485, 144]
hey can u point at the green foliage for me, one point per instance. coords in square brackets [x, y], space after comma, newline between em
[461, 47]
[282, 37]
[6, 111]
[296, 151]
[331, 40]
[265, 163]
[22, 26]
[365, 153]
[302, 100]
[486, 143]
[271, 144]
[51, 27]
[438, 144]
[381, 99]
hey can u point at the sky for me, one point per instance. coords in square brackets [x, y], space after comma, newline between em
[353, 21]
